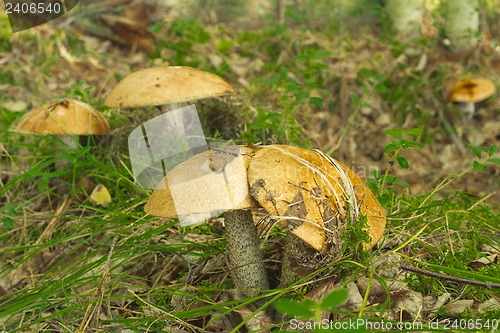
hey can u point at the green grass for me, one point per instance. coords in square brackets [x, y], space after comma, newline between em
[73, 266]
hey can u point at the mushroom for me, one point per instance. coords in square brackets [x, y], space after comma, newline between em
[159, 143]
[65, 118]
[470, 90]
[314, 190]
[315, 197]
[306, 191]
[160, 85]
[215, 181]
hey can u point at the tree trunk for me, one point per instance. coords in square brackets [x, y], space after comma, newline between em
[406, 16]
[462, 23]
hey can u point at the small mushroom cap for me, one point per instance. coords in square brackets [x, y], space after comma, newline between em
[215, 180]
[65, 117]
[160, 85]
[310, 193]
[471, 90]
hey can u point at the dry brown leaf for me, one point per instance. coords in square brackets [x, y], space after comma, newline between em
[493, 304]
[355, 299]
[407, 305]
[459, 306]
[387, 265]
[484, 261]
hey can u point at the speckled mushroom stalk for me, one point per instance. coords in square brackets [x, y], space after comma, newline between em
[243, 251]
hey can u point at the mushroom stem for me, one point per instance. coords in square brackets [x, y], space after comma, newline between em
[70, 141]
[243, 251]
[293, 266]
[172, 106]
[467, 109]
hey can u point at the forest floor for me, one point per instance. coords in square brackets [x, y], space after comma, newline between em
[71, 265]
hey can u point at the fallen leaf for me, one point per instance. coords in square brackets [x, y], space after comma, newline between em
[100, 195]
[458, 307]
[434, 303]
[484, 261]
[493, 304]
[407, 305]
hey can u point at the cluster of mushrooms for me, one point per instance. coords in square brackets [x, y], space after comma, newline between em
[308, 193]
[305, 191]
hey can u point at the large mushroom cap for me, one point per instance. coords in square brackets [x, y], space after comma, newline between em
[311, 193]
[65, 117]
[212, 181]
[471, 90]
[160, 85]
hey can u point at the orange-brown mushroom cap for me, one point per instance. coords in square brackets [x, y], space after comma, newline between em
[65, 117]
[306, 186]
[471, 90]
[164, 84]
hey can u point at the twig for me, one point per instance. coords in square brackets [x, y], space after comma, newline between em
[489, 285]
[47, 232]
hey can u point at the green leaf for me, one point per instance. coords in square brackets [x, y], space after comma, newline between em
[395, 132]
[8, 222]
[494, 160]
[493, 149]
[404, 184]
[403, 162]
[417, 131]
[392, 147]
[325, 92]
[334, 299]
[9, 212]
[316, 101]
[385, 199]
[300, 95]
[355, 99]
[479, 167]
[293, 308]
[372, 184]
[410, 144]
[157, 27]
[477, 150]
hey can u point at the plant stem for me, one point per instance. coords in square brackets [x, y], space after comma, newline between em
[243, 251]
[453, 136]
